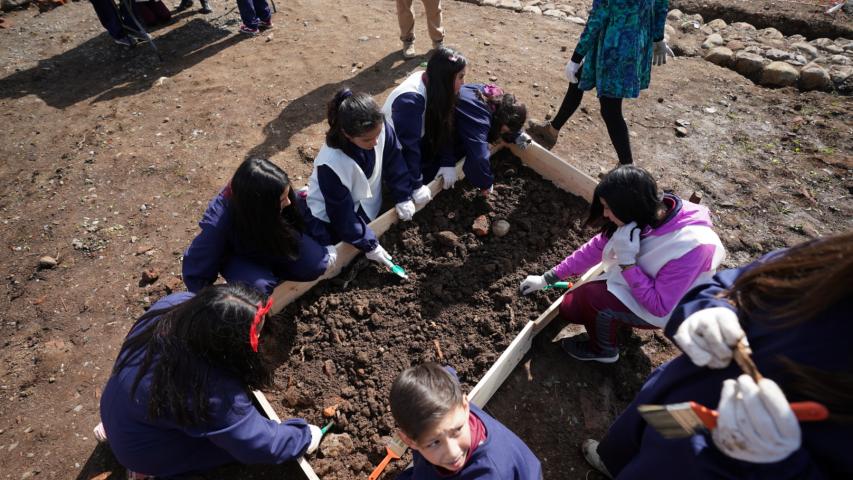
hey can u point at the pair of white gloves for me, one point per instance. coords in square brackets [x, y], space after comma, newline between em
[755, 423]
[406, 209]
[625, 242]
[659, 52]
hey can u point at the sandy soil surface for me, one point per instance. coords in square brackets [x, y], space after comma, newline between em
[110, 156]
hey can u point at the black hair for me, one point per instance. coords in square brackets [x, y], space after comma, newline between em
[421, 396]
[442, 68]
[632, 195]
[259, 220]
[506, 111]
[186, 343]
[352, 114]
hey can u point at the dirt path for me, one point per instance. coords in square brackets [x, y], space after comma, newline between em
[107, 167]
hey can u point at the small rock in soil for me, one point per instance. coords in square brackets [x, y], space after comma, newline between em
[500, 228]
[681, 132]
[149, 276]
[481, 226]
[329, 368]
[47, 262]
[330, 411]
[336, 445]
[447, 238]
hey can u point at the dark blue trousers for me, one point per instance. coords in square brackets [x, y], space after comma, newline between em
[109, 17]
[252, 11]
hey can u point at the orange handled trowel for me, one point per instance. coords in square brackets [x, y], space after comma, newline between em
[395, 450]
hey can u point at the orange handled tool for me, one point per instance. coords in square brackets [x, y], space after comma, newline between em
[395, 450]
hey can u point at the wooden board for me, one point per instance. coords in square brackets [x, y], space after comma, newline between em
[270, 413]
[560, 172]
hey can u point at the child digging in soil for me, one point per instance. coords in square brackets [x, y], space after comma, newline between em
[794, 308]
[421, 110]
[176, 402]
[452, 438]
[345, 189]
[253, 233]
[653, 247]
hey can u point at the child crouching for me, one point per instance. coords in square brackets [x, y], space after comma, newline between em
[452, 438]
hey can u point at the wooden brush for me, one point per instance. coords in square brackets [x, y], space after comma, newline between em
[680, 420]
[396, 448]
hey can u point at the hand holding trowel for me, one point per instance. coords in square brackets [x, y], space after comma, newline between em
[380, 256]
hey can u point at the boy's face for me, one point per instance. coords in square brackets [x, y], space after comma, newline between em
[446, 443]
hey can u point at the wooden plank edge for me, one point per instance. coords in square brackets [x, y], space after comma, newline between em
[270, 413]
[505, 364]
[559, 171]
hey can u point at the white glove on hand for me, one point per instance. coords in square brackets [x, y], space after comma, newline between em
[422, 195]
[449, 176]
[709, 336]
[572, 71]
[405, 210]
[756, 424]
[316, 436]
[626, 243]
[660, 51]
[378, 255]
[533, 283]
[332, 251]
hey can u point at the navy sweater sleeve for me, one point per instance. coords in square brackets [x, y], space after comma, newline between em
[473, 121]
[395, 172]
[407, 113]
[348, 226]
[203, 258]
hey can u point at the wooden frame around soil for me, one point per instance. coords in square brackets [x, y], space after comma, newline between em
[551, 167]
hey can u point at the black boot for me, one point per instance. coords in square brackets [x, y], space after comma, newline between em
[205, 6]
[185, 4]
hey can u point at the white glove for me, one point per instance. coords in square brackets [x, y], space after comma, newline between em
[756, 424]
[316, 436]
[449, 176]
[379, 255]
[709, 336]
[661, 50]
[572, 71]
[626, 243]
[405, 210]
[332, 251]
[533, 283]
[422, 195]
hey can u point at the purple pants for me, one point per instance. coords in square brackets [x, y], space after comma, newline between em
[601, 313]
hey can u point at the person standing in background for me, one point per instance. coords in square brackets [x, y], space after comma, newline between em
[406, 19]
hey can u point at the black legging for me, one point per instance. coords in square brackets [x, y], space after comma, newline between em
[611, 112]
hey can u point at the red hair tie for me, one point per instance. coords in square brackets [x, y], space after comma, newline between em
[259, 315]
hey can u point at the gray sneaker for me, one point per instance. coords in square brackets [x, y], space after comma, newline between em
[579, 350]
[409, 50]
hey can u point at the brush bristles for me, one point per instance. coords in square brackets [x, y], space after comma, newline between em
[672, 421]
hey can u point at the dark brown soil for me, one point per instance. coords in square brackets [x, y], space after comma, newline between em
[354, 334]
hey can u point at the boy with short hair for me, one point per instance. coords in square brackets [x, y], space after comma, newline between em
[452, 438]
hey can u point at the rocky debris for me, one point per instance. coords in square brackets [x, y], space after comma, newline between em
[330, 411]
[149, 276]
[447, 238]
[717, 24]
[721, 56]
[500, 228]
[814, 77]
[47, 262]
[674, 15]
[336, 445]
[713, 40]
[481, 226]
[748, 64]
[510, 5]
[779, 74]
[806, 49]
[681, 131]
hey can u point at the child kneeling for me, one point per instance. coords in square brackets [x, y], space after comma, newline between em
[450, 437]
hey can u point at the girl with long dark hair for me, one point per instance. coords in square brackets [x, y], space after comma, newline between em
[252, 232]
[793, 308]
[653, 247]
[421, 109]
[345, 189]
[177, 399]
[484, 115]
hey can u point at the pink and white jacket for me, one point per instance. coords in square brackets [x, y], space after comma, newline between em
[678, 255]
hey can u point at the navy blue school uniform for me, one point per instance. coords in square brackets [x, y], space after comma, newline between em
[472, 122]
[406, 107]
[219, 249]
[632, 449]
[111, 17]
[346, 223]
[502, 455]
[236, 431]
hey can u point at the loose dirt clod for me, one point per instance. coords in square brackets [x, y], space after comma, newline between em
[481, 226]
[47, 262]
[336, 445]
[149, 276]
[330, 411]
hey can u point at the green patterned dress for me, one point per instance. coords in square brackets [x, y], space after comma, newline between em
[617, 45]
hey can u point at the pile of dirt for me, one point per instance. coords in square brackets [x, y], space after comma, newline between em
[344, 343]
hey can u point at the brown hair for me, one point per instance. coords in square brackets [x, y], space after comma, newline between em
[794, 288]
[421, 396]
